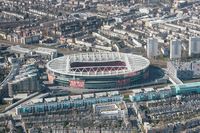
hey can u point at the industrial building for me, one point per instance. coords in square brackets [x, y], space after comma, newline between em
[109, 110]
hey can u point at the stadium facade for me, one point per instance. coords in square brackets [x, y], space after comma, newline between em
[100, 70]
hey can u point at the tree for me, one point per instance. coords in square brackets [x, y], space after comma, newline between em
[60, 14]
[66, 124]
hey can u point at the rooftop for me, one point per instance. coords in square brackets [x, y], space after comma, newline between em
[45, 50]
[99, 64]
[188, 85]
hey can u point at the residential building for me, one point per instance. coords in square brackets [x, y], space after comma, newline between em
[175, 49]
[152, 47]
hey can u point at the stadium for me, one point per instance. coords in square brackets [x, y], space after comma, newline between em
[97, 70]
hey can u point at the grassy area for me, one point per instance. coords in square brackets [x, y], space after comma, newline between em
[192, 80]
[126, 98]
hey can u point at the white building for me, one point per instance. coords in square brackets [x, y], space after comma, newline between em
[175, 49]
[194, 45]
[152, 47]
[48, 53]
[144, 10]
[110, 110]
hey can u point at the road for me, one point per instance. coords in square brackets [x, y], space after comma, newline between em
[175, 80]
[12, 108]
[60, 50]
[12, 73]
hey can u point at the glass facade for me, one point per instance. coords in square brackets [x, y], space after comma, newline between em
[69, 104]
[102, 82]
[184, 89]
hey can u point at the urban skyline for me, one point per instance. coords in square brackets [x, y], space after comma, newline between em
[99, 66]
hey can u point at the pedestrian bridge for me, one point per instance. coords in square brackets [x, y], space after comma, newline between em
[175, 80]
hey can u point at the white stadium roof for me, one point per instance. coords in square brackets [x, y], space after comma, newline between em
[133, 63]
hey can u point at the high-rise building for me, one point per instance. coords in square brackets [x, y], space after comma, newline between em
[27, 84]
[152, 47]
[175, 49]
[194, 45]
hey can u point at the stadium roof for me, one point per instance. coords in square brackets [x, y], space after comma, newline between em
[132, 63]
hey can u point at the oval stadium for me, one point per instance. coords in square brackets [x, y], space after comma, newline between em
[97, 70]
